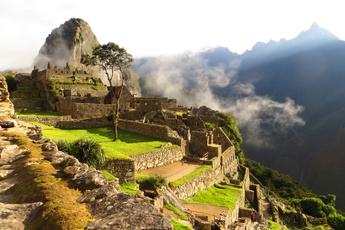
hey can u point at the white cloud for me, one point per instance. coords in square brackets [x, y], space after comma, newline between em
[192, 82]
[154, 27]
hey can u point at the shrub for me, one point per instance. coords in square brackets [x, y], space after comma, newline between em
[64, 145]
[85, 150]
[336, 221]
[312, 206]
[151, 182]
[88, 151]
[328, 199]
[229, 126]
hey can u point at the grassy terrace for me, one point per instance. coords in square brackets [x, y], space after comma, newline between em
[130, 145]
[190, 176]
[217, 195]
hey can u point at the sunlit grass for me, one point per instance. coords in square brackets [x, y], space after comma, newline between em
[217, 195]
[130, 144]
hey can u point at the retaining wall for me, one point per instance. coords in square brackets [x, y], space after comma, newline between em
[153, 130]
[122, 169]
[51, 121]
[157, 158]
[203, 181]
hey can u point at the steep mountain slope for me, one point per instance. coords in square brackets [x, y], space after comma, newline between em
[309, 69]
[67, 43]
[315, 79]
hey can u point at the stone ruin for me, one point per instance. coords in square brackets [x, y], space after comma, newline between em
[196, 131]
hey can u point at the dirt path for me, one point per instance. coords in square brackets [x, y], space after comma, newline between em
[205, 210]
[13, 215]
[172, 171]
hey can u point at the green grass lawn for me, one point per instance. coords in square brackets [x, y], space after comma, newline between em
[177, 225]
[130, 188]
[177, 211]
[108, 175]
[189, 176]
[217, 195]
[276, 226]
[130, 144]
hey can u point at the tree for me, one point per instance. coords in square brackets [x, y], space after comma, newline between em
[112, 59]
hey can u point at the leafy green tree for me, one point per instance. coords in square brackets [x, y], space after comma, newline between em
[112, 59]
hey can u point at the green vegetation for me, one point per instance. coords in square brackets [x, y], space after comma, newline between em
[130, 188]
[130, 145]
[179, 113]
[282, 185]
[197, 172]
[108, 175]
[150, 182]
[179, 226]
[86, 150]
[209, 126]
[217, 195]
[336, 221]
[275, 226]
[315, 207]
[229, 126]
[177, 211]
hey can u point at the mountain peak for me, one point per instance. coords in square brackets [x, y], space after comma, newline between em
[67, 43]
[317, 33]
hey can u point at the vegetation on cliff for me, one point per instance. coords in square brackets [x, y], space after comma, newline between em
[299, 197]
[229, 125]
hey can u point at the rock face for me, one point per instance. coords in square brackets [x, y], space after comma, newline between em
[67, 44]
[135, 213]
[7, 110]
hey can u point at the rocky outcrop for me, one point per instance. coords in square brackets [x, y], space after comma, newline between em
[68, 42]
[110, 208]
[136, 213]
[7, 110]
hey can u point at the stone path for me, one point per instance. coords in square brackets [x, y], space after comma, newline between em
[172, 171]
[12, 215]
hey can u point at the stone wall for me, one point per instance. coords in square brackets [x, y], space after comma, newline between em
[203, 181]
[122, 169]
[148, 104]
[158, 158]
[219, 137]
[83, 124]
[152, 130]
[49, 120]
[83, 110]
[230, 162]
[198, 143]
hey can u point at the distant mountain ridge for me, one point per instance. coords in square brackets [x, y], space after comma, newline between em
[309, 69]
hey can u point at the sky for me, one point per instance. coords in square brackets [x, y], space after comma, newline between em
[160, 27]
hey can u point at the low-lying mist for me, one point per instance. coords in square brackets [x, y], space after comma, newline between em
[193, 82]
